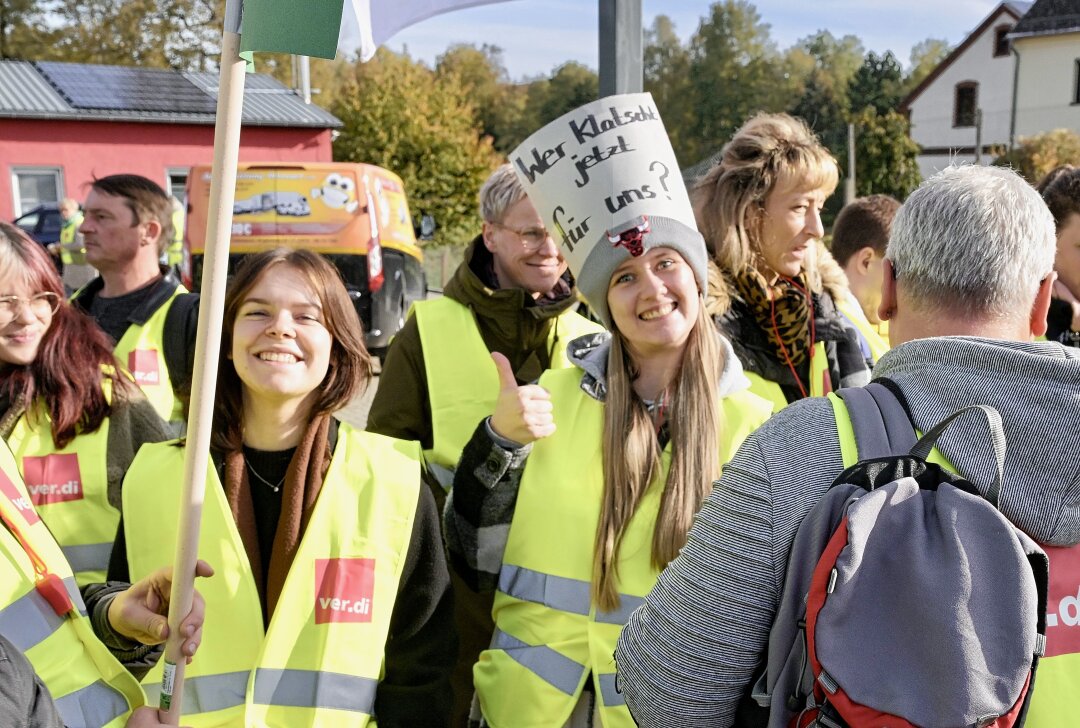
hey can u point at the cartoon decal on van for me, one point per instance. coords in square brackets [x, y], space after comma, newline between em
[338, 192]
[284, 203]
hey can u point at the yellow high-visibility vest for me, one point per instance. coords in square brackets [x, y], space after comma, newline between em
[69, 488]
[141, 350]
[854, 315]
[549, 635]
[175, 250]
[87, 683]
[819, 375]
[463, 384]
[320, 661]
[68, 231]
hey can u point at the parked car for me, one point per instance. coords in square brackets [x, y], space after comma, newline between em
[42, 223]
[356, 215]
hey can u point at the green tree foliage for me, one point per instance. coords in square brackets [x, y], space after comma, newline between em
[827, 65]
[735, 70]
[925, 57]
[23, 30]
[179, 34]
[884, 154]
[878, 83]
[1036, 155]
[499, 104]
[666, 65]
[401, 115]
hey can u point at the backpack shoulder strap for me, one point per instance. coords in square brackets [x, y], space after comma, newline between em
[880, 422]
[178, 339]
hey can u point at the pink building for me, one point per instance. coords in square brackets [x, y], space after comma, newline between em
[61, 124]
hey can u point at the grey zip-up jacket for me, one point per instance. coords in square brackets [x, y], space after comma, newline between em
[689, 654]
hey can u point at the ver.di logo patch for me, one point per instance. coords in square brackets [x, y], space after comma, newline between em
[344, 590]
[21, 502]
[53, 478]
[1063, 601]
[143, 365]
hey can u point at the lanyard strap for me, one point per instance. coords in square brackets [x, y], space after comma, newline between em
[48, 585]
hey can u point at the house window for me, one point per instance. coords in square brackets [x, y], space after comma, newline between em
[1001, 43]
[33, 186]
[177, 181]
[965, 103]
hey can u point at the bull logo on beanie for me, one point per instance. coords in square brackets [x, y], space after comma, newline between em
[631, 238]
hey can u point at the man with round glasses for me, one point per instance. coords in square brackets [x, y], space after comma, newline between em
[512, 295]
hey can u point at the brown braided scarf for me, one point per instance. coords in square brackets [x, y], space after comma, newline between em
[792, 329]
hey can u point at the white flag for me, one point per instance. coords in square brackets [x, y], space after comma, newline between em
[380, 20]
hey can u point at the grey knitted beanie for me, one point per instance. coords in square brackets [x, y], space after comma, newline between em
[613, 249]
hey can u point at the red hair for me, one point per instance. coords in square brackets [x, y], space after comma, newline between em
[74, 356]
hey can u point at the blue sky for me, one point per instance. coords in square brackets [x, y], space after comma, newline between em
[539, 35]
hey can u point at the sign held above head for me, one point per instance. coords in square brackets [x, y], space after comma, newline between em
[605, 180]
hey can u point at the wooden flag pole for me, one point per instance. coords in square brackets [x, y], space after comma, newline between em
[207, 349]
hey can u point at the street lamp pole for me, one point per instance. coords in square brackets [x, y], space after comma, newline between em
[621, 47]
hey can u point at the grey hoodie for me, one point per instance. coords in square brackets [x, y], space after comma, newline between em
[690, 652]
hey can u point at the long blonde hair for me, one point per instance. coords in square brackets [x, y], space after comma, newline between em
[766, 151]
[632, 454]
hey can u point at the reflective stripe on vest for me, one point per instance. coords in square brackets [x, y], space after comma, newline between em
[559, 592]
[30, 619]
[141, 350]
[89, 686]
[207, 693]
[96, 704]
[462, 381]
[70, 489]
[819, 370]
[88, 559]
[321, 652]
[556, 670]
[550, 633]
[315, 689]
[855, 316]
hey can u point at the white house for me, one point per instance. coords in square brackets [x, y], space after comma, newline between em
[1046, 43]
[975, 80]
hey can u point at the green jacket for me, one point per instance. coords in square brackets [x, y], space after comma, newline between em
[510, 322]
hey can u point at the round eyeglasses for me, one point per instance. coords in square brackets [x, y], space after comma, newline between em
[531, 238]
[41, 305]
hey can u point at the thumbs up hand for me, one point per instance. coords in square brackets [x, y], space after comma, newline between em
[522, 414]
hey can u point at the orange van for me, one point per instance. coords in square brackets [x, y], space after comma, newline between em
[354, 214]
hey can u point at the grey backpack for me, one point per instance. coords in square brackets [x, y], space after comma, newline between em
[910, 600]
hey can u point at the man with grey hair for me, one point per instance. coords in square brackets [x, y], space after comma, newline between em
[968, 279]
[511, 296]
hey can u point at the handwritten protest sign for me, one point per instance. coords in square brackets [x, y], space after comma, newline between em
[600, 167]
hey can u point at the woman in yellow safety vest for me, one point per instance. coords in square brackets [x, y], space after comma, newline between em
[72, 419]
[759, 208]
[624, 446]
[332, 604]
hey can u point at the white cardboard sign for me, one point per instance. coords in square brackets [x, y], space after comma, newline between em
[599, 167]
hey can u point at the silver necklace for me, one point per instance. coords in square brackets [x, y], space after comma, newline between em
[272, 486]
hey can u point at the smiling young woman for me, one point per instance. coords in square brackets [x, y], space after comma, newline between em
[72, 418]
[759, 209]
[571, 498]
[328, 546]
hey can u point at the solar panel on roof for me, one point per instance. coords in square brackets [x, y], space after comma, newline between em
[126, 89]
